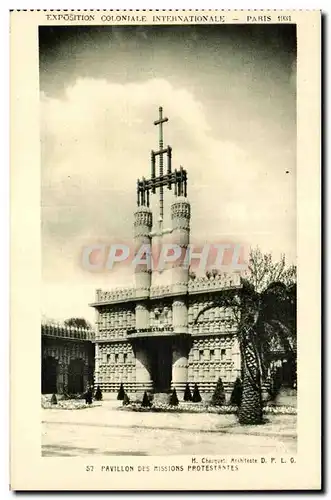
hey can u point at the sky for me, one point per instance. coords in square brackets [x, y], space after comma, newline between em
[230, 95]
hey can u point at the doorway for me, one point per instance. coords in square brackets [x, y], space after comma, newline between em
[160, 354]
[76, 376]
[49, 373]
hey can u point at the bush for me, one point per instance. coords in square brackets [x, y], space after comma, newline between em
[126, 400]
[89, 396]
[54, 399]
[187, 393]
[237, 392]
[98, 394]
[146, 402]
[218, 398]
[173, 398]
[196, 398]
[121, 392]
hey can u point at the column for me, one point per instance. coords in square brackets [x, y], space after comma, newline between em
[180, 217]
[97, 364]
[180, 316]
[143, 376]
[142, 316]
[142, 240]
[180, 366]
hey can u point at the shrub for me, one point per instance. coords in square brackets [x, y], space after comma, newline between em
[54, 399]
[196, 398]
[121, 392]
[98, 394]
[218, 398]
[145, 402]
[89, 396]
[173, 398]
[126, 400]
[237, 391]
[187, 393]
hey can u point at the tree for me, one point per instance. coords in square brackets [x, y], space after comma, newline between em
[218, 398]
[237, 392]
[146, 402]
[98, 394]
[196, 398]
[262, 270]
[78, 323]
[54, 399]
[121, 392]
[173, 398]
[89, 396]
[187, 393]
[264, 310]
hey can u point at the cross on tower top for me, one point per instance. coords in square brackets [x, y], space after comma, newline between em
[178, 179]
[160, 122]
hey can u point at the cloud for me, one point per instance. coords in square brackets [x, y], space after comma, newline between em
[96, 142]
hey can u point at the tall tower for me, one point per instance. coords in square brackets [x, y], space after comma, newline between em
[176, 181]
[179, 232]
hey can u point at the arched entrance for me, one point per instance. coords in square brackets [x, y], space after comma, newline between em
[76, 376]
[49, 372]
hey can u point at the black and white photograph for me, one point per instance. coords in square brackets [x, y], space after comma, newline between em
[169, 303]
[170, 226]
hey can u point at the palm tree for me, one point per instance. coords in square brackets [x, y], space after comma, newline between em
[264, 317]
[264, 310]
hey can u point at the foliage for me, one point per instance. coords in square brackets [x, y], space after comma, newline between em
[89, 396]
[78, 323]
[265, 312]
[145, 402]
[262, 270]
[126, 400]
[237, 392]
[196, 398]
[173, 398]
[218, 397]
[54, 399]
[98, 394]
[187, 393]
[121, 392]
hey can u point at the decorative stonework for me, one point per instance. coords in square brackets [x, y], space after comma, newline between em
[58, 330]
[115, 295]
[143, 217]
[219, 282]
[181, 209]
[183, 311]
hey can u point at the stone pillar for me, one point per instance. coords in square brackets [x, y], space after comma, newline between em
[65, 369]
[179, 315]
[143, 376]
[179, 367]
[142, 240]
[96, 364]
[180, 216]
[142, 316]
[60, 383]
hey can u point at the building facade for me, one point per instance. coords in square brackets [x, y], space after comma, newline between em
[166, 330]
[67, 359]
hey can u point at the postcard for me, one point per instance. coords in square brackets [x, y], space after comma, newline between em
[165, 250]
